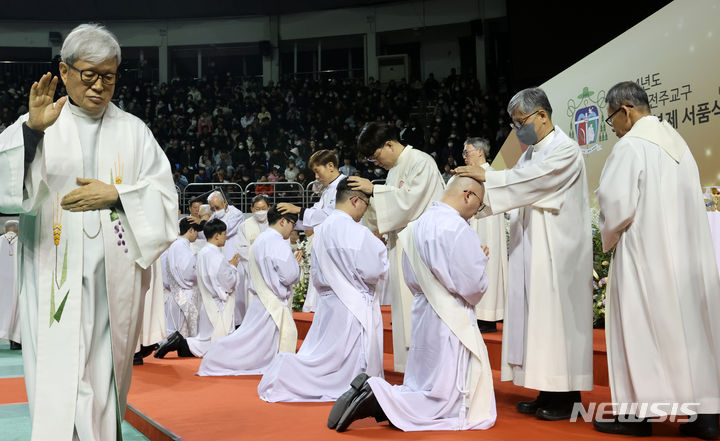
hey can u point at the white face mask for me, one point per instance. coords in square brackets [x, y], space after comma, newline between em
[219, 214]
[261, 216]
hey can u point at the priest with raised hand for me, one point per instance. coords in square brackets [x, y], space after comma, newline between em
[217, 280]
[547, 329]
[491, 232]
[663, 333]
[94, 225]
[236, 243]
[448, 383]
[324, 164]
[345, 337]
[413, 182]
[268, 326]
[184, 299]
[9, 312]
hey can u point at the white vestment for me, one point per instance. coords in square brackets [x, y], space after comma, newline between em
[411, 185]
[491, 232]
[217, 281]
[448, 382]
[547, 332]
[252, 346]
[337, 345]
[236, 243]
[174, 317]
[81, 294]
[153, 317]
[252, 229]
[662, 327]
[312, 217]
[9, 313]
[182, 283]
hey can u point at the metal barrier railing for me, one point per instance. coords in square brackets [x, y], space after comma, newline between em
[292, 192]
[313, 191]
[233, 192]
[276, 192]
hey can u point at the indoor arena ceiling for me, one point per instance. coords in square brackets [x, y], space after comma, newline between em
[85, 10]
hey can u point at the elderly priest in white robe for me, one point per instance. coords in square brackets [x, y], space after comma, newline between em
[547, 330]
[491, 232]
[268, 326]
[412, 183]
[346, 335]
[9, 312]
[216, 281]
[663, 331]
[236, 243]
[97, 207]
[448, 382]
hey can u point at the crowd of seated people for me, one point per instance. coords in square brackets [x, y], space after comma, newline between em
[226, 129]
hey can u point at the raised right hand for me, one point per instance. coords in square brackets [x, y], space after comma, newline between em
[43, 113]
[235, 260]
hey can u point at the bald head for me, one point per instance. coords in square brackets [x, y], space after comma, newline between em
[465, 195]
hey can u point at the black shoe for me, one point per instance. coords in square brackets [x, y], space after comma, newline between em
[559, 406]
[15, 346]
[363, 406]
[171, 344]
[704, 427]
[138, 359]
[487, 327]
[638, 427]
[531, 407]
[346, 399]
[147, 350]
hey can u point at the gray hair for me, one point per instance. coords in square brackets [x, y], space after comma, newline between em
[90, 42]
[216, 193]
[204, 210]
[258, 198]
[11, 225]
[627, 93]
[479, 144]
[530, 100]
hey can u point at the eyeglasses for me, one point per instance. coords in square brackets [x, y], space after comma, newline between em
[474, 194]
[608, 120]
[374, 158]
[467, 153]
[517, 126]
[367, 202]
[89, 76]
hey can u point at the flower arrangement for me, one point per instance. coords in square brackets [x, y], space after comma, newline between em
[601, 266]
[300, 289]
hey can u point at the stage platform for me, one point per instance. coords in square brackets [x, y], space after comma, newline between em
[168, 402]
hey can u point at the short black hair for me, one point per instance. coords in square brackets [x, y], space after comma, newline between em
[373, 136]
[213, 227]
[274, 216]
[343, 192]
[185, 225]
[196, 200]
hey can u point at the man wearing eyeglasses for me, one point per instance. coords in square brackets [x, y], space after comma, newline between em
[346, 335]
[663, 333]
[413, 183]
[95, 194]
[491, 231]
[547, 331]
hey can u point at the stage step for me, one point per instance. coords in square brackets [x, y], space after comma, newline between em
[493, 342]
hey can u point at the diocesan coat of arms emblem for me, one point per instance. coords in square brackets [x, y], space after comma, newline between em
[586, 119]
